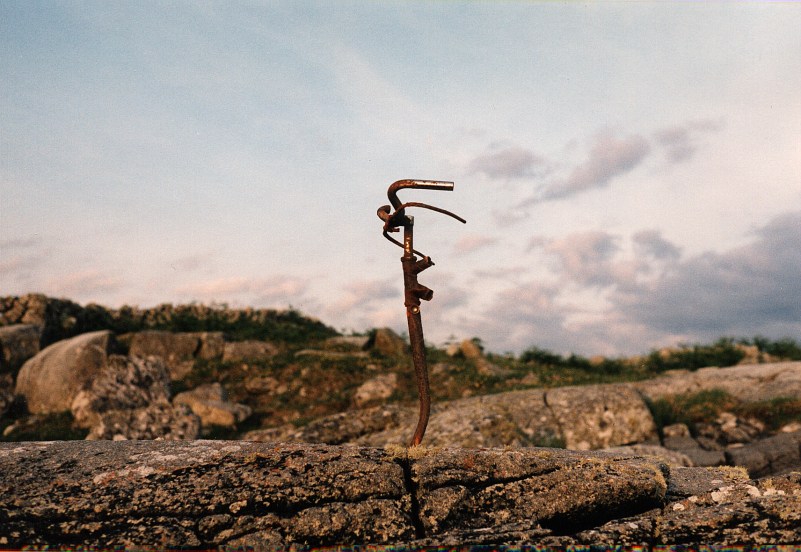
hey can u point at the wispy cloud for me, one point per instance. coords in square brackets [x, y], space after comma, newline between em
[85, 283]
[680, 142]
[586, 258]
[510, 162]
[651, 243]
[471, 243]
[275, 290]
[608, 158]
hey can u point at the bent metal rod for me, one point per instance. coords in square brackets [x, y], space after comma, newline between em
[413, 290]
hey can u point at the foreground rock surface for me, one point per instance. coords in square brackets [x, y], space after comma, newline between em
[242, 494]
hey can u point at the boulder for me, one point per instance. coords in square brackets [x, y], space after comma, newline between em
[601, 416]
[124, 383]
[774, 455]
[265, 385]
[208, 403]
[243, 351]
[50, 381]
[747, 382]
[212, 345]
[379, 388]
[387, 343]
[18, 343]
[346, 343]
[177, 350]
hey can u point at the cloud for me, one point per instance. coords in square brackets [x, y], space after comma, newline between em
[680, 141]
[471, 243]
[602, 298]
[256, 292]
[511, 162]
[522, 315]
[609, 157]
[85, 283]
[650, 243]
[745, 291]
[584, 257]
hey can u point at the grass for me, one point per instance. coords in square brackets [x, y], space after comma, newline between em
[707, 405]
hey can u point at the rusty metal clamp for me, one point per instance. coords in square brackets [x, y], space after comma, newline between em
[414, 292]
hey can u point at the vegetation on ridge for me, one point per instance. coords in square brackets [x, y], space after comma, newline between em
[292, 387]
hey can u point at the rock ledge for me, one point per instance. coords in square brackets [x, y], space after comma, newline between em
[203, 494]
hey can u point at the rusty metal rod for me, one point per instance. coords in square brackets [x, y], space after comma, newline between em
[414, 292]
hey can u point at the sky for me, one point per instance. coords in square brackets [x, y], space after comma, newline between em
[630, 172]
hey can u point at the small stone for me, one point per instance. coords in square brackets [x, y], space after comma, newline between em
[379, 388]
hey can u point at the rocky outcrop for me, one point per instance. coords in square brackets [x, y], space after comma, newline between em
[130, 399]
[209, 403]
[751, 382]
[18, 343]
[232, 494]
[50, 381]
[178, 350]
[589, 417]
[387, 343]
[250, 350]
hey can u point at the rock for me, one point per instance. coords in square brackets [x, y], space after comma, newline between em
[6, 393]
[239, 351]
[379, 388]
[156, 421]
[18, 343]
[754, 512]
[773, 455]
[747, 382]
[676, 430]
[50, 381]
[177, 350]
[234, 494]
[344, 427]
[670, 457]
[346, 344]
[686, 482]
[208, 403]
[212, 345]
[387, 343]
[124, 383]
[201, 494]
[517, 418]
[469, 490]
[265, 385]
[331, 355]
[601, 416]
[470, 349]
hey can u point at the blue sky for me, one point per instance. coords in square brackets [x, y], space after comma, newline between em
[630, 172]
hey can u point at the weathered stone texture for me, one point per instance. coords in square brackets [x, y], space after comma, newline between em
[199, 494]
[209, 403]
[752, 382]
[252, 350]
[600, 416]
[231, 494]
[177, 350]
